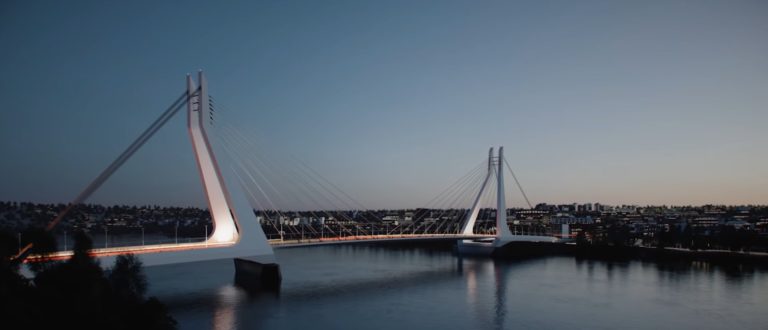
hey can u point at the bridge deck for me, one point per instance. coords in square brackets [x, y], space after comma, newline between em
[370, 238]
[276, 243]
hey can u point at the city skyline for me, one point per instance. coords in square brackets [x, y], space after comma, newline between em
[652, 103]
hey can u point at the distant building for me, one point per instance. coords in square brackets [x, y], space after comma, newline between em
[571, 220]
[739, 224]
[705, 222]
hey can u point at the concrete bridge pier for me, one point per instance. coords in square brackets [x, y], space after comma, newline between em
[256, 276]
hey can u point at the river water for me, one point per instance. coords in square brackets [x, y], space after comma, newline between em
[375, 287]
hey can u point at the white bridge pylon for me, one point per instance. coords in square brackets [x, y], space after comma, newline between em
[503, 234]
[219, 201]
[502, 229]
[233, 219]
[237, 232]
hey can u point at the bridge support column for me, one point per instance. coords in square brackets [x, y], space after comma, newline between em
[483, 246]
[503, 236]
[234, 221]
[256, 276]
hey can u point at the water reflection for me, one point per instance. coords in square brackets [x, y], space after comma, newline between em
[473, 270]
[376, 288]
[225, 312]
[500, 281]
[477, 270]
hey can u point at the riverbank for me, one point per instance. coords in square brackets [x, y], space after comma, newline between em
[606, 252]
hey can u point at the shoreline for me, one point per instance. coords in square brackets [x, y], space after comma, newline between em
[621, 253]
[523, 250]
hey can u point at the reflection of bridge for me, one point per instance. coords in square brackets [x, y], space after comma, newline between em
[237, 232]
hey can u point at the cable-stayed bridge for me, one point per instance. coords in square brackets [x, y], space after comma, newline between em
[233, 187]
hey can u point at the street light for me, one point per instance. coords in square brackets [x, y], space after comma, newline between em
[106, 238]
[142, 235]
[177, 232]
[206, 235]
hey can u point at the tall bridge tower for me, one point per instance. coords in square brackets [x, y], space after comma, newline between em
[487, 246]
[233, 218]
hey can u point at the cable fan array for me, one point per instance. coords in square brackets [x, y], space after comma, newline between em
[294, 201]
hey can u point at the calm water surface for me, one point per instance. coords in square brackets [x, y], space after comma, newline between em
[373, 287]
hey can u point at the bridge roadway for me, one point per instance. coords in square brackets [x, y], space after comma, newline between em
[275, 243]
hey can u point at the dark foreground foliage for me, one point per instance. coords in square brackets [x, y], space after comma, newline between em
[77, 293]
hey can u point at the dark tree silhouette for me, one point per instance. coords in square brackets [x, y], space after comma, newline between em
[76, 294]
[44, 243]
[581, 238]
[15, 290]
[127, 278]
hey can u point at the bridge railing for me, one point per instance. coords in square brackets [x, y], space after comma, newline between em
[301, 233]
[118, 241]
[278, 241]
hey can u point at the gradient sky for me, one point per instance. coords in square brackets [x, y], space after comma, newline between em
[642, 102]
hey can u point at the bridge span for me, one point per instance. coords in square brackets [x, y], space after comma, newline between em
[103, 253]
[278, 244]
[108, 253]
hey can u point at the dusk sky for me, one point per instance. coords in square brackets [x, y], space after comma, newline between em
[618, 102]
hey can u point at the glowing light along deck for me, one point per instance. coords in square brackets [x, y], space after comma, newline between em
[275, 243]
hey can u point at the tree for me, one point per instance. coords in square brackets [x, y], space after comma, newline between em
[662, 238]
[43, 244]
[686, 238]
[15, 290]
[618, 234]
[73, 290]
[581, 238]
[77, 294]
[82, 250]
[673, 235]
[127, 278]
